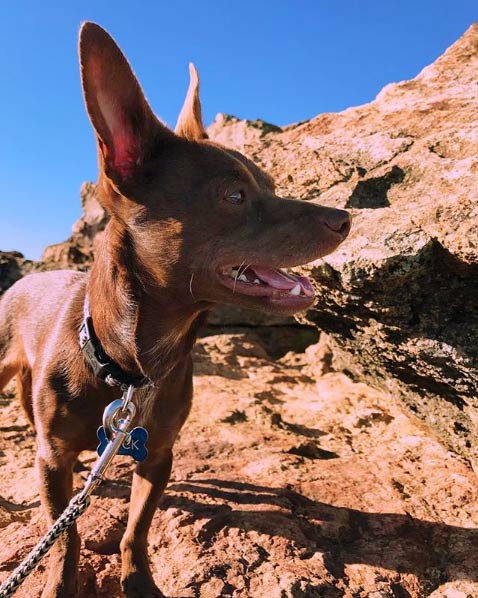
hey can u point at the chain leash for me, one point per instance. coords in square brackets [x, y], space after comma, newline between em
[117, 420]
[77, 507]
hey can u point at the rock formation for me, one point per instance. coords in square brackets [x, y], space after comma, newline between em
[13, 266]
[401, 294]
[78, 250]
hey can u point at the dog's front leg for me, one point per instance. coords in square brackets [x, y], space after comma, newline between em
[149, 482]
[55, 472]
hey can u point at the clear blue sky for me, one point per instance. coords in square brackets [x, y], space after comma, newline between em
[282, 61]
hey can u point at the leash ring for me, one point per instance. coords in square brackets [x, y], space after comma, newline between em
[112, 414]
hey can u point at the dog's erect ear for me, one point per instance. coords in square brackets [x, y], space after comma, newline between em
[123, 121]
[189, 123]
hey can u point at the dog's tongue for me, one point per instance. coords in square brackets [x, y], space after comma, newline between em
[282, 280]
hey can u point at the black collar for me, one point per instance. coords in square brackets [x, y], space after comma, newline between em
[100, 362]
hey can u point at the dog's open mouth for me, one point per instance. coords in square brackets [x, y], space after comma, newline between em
[263, 281]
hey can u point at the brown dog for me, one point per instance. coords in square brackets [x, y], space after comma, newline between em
[192, 224]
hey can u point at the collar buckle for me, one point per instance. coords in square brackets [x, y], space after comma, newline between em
[98, 360]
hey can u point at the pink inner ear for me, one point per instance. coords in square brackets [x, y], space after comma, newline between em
[123, 147]
[126, 153]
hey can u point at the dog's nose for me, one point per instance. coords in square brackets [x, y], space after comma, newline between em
[339, 221]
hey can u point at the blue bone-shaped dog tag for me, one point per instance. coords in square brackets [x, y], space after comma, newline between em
[134, 444]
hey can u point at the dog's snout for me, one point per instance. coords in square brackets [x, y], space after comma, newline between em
[339, 221]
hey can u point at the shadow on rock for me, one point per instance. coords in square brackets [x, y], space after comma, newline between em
[432, 551]
[412, 318]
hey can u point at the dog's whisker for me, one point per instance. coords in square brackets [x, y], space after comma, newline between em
[237, 274]
[191, 285]
[248, 266]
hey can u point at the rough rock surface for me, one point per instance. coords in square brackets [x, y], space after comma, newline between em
[290, 481]
[77, 251]
[401, 294]
[13, 266]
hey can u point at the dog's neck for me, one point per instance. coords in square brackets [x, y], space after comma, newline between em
[145, 333]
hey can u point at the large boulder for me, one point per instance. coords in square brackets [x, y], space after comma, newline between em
[400, 296]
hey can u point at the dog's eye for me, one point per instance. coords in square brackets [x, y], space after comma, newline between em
[235, 197]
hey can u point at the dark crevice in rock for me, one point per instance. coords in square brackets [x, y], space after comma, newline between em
[422, 385]
[344, 170]
[413, 319]
[311, 450]
[372, 193]
[13, 266]
[276, 340]
[10, 271]
[434, 149]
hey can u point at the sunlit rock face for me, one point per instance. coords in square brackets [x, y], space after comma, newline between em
[400, 294]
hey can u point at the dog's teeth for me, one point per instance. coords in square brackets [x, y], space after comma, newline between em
[257, 281]
[243, 277]
[233, 273]
[295, 290]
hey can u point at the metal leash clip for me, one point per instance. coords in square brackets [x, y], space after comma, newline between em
[114, 417]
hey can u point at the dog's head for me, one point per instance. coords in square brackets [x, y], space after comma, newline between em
[202, 220]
